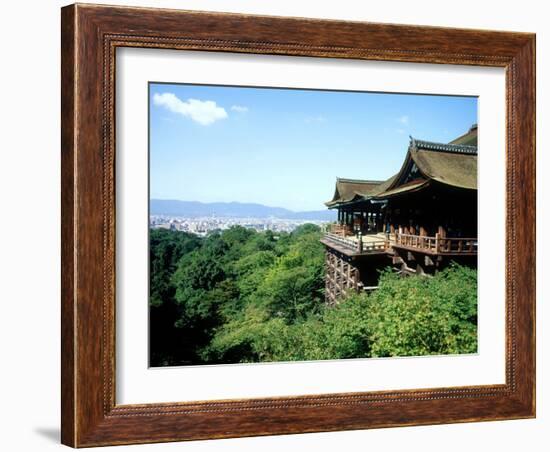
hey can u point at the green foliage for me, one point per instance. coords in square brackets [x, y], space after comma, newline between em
[292, 287]
[167, 345]
[165, 249]
[424, 316]
[243, 296]
[342, 333]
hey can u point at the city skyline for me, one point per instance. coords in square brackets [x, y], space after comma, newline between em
[284, 147]
[202, 226]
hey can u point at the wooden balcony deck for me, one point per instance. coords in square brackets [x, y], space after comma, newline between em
[353, 246]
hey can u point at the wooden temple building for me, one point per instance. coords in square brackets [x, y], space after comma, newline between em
[418, 220]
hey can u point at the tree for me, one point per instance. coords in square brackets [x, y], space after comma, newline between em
[166, 248]
[243, 296]
[294, 286]
[424, 316]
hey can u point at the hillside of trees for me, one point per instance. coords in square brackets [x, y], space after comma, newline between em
[244, 296]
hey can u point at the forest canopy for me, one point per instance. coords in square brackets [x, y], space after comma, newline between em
[245, 296]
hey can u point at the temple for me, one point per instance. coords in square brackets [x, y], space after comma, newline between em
[417, 221]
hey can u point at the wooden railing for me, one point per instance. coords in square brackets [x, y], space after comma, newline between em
[358, 245]
[437, 244]
[434, 245]
[458, 245]
[416, 241]
[340, 229]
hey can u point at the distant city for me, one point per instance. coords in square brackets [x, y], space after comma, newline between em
[202, 226]
[203, 218]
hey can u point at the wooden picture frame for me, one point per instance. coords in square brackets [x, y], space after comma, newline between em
[90, 36]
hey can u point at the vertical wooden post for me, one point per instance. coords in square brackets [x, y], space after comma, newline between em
[423, 233]
[442, 235]
[342, 282]
[437, 236]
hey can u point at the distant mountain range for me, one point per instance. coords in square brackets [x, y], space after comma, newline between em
[193, 209]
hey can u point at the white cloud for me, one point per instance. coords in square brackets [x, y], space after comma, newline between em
[239, 108]
[205, 112]
[404, 120]
[400, 131]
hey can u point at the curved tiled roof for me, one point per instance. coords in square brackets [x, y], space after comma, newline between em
[350, 189]
[408, 187]
[449, 164]
[453, 164]
[457, 169]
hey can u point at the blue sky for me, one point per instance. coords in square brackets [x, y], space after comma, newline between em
[285, 147]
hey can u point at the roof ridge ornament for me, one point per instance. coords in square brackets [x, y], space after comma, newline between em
[444, 147]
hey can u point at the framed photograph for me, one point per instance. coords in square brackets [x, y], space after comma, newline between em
[281, 225]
